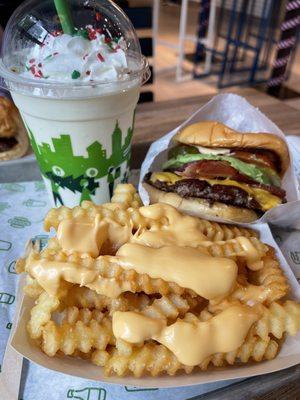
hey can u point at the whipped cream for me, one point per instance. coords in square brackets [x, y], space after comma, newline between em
[69, 58]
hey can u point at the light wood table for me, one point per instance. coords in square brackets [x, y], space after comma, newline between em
[152, 121]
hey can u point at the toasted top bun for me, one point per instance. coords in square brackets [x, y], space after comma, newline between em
[215, 135]
[11, 125]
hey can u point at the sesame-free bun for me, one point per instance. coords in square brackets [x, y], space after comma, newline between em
[199, 207]
[11, 125]
[217, 135]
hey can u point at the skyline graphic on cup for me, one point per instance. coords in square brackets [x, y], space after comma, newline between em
[64, 171]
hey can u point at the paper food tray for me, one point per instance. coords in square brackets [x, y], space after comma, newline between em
[237, 113]
[288, 356]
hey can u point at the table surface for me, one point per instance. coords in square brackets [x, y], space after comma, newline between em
[152, 121]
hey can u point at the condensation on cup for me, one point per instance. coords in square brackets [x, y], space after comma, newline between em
[77, 93]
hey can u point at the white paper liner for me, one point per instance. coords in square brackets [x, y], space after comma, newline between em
[237, 113]
[288, 356]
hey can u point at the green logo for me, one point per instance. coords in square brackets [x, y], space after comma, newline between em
[277, 238]
[34, 203]
[88, 393]
[5, 245]
[39, 186]
[14, 187]
[19, 222]
[4, 206]
[6, 298]
[43, 240]
[9, 325]
[80, 174]
[137, 389]
[11, 267]
[295, 256]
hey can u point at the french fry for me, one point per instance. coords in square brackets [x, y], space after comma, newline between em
[154, 359]
[83, 336]
[41, 314]
[126, 194]
[278, 319]
[86, 298]
[111, 280]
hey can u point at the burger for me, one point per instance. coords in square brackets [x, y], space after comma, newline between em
[214, 171]
[13, 137]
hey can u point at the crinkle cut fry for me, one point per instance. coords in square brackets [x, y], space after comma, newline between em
[127, 195]
[170, 306]
[275, 320]
[41, 314]
[268, 284]
[32, 287]
[217, 232]
[271, 276]
[111, 273]
[154, 359]
[278, 319]
[83, 297]
[88, 211]
[232, 248]
[84, 333]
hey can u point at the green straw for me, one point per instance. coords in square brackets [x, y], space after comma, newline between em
[64, 14]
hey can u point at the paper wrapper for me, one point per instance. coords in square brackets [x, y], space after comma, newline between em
[238, 114]
[288, 356]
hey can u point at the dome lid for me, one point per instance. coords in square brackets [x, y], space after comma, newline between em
[54, 46]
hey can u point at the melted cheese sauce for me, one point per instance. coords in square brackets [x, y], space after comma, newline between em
[49, 274]
[263, 197]
[192, 343]
[210, 277]
[176, 229]
[134, 327]
[88, 236]
[252, 254]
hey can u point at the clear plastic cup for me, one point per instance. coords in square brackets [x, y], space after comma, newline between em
[79, 114]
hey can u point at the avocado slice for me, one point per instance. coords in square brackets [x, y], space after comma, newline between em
[263, 175]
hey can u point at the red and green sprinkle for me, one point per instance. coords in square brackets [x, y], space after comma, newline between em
[75, 74]
[100, 57]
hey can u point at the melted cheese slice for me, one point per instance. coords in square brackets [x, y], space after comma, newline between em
[263, 197]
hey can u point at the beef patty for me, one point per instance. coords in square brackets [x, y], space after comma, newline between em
[226, 194]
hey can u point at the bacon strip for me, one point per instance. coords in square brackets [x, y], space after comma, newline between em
[211, 169]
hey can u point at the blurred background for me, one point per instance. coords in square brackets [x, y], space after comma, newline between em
[199, 47]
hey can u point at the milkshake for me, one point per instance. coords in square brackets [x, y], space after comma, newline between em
[76, 93]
